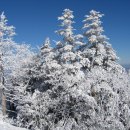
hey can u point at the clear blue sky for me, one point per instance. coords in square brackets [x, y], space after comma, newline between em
[36, 19]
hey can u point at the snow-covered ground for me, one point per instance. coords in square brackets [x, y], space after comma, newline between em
[7, 126]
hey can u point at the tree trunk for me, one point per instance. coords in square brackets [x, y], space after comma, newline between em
[2, 85]
[3, 103]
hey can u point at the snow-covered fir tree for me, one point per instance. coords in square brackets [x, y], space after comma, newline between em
[43, 76]
[70, 41]
[12, 56]
[65, 52]
[108, 80]
[93, 33]
[6, 45]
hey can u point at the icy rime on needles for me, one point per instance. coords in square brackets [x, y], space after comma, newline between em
[77, 85]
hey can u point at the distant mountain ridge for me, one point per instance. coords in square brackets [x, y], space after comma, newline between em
[126, 66]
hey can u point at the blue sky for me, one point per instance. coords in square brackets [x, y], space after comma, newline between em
[37, 19]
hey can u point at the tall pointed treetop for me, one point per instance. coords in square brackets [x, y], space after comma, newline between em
[47, 42]
[6, 32]
[93, 29]
[66, 24]
[46, 46]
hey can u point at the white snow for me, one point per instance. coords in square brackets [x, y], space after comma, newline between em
[6, 126]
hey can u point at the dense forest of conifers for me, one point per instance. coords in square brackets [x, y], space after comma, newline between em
[76, 85]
